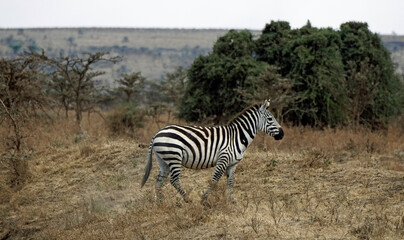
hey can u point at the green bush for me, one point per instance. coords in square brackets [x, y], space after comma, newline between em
[126, 119]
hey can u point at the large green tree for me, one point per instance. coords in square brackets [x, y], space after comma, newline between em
[214, 80]
[311, 59]
[271, 44]
[316, 66]
[339, 77]
[374, 90]
[331, 77]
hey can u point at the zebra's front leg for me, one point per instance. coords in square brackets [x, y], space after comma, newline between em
[219, 170]
[230, 181]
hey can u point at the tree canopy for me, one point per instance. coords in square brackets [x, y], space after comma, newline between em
[333, 77]
[213, 80]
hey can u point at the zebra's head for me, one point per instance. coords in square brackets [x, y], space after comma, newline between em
[268, 123]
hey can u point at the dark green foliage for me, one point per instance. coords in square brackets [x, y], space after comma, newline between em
[235, 44]
[373, 87]
[339, 77]
[270, 45]
[312, 59]
[325, 77]
[214, 79]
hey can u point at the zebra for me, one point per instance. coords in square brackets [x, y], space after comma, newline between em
[198, 147]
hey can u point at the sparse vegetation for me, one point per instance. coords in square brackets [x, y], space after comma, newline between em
[74, 79]
[21, 100]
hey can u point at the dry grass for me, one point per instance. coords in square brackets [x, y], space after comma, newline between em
[331, 184]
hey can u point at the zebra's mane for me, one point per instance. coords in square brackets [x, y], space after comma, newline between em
[255, 105]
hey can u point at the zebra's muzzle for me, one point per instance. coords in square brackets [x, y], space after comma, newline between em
[279, 136]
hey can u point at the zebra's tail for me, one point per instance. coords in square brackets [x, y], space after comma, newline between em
[149, 163]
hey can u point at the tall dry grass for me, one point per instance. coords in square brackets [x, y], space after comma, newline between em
[328, 184]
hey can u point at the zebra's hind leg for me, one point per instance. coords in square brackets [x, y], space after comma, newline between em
[177, 185]
[164, 171]
[175, 170]
[159, 183]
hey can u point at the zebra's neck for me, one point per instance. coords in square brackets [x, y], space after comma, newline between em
[247, 126]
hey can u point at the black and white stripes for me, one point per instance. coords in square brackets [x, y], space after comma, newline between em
[196, 147]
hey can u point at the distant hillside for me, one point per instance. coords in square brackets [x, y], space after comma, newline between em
[154, 52]
[395, 44]
[151, 51]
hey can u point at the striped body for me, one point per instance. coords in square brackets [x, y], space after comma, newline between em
[197, 147]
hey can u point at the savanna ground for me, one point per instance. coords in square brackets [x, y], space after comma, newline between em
[329, 184]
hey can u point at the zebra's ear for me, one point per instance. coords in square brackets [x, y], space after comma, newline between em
[265, 105]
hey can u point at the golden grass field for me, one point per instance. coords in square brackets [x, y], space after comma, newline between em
[329, 184]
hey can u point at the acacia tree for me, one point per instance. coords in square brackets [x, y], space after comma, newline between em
[79, 77]
[21, 96]
[173, 85]
[130, 84]
[59, 88]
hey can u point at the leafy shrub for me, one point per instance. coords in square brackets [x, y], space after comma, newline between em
[126, 119]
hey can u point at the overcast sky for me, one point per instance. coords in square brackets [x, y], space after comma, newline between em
[383, 17]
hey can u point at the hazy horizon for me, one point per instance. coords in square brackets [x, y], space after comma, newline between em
[382, 17]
